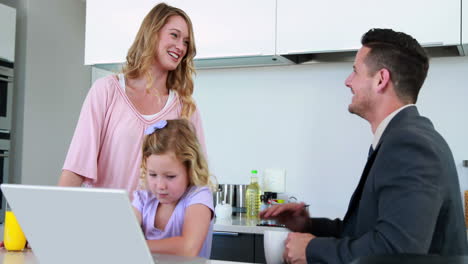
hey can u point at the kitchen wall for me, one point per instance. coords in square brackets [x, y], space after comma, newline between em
[50, 84]
[296, 117]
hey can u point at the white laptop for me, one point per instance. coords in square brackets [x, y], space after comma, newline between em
[78, 225]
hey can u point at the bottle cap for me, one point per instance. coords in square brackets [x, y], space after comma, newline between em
[253, 171]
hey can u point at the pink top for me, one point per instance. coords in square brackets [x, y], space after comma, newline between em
[106, 146]
[147, 204]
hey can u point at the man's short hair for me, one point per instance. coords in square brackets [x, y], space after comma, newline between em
[402, 56]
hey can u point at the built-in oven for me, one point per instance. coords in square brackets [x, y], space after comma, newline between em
[4, 168]
[6, 95]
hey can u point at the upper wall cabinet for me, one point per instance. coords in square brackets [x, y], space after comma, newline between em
[111, 26]
[265, 32]
[231, 28]
[233, 31]
[7, 29]
[229, 33]
[336, 25]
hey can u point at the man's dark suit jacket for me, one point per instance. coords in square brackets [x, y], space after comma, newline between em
[408, 200]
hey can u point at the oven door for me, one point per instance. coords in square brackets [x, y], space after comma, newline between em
[6, 97]
[4, 171]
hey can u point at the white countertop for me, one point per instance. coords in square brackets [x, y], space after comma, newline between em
[235, 224]
[238, 224]
[27, 257]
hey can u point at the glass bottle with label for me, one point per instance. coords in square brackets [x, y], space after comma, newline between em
[252, 196]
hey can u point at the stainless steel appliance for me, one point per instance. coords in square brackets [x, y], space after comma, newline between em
[4, 168]
[233, 194]
[225, 193]
[6, 95]
[240, 206]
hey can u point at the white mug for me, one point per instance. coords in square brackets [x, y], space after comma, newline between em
[273, 244]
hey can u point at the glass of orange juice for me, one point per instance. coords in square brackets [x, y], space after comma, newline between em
[13, 236]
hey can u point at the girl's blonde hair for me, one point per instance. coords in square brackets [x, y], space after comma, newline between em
[143, 52]
[178, 137]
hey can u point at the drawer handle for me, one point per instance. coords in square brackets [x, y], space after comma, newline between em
[225, 234]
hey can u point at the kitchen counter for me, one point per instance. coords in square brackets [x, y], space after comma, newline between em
[241, 225]
[235, 224]
[412, 259]
[27, 257]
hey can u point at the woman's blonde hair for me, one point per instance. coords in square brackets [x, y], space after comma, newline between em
[178, 137]
[143, 52]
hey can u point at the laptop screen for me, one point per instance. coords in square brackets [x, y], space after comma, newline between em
[78, 225]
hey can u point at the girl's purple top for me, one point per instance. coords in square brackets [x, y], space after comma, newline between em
[147, 203]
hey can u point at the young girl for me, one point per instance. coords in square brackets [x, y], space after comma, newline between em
[175, 207]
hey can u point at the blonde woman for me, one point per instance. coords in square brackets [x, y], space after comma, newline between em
[155, 84]
[175, 205]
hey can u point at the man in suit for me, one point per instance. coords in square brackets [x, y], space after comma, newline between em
[408, 198]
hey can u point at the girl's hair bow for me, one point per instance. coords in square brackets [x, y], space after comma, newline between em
[158, 125]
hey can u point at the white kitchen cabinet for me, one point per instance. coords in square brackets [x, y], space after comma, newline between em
[240, 31]
[337, 25]
[111, 26]
[8, 30]
[231, 28]
[233, 33]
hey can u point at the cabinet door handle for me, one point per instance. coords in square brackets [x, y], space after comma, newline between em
[225, 234]
[432, 44]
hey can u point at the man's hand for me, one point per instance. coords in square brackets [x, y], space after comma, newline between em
[295, 247]
[292, 215]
